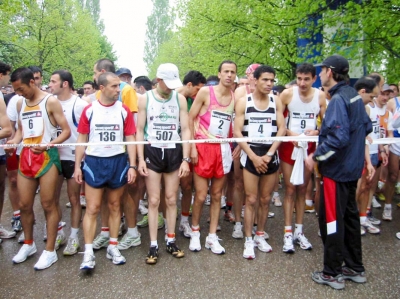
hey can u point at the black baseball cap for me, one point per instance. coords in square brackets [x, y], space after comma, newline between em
[123, 70]
[336, 63]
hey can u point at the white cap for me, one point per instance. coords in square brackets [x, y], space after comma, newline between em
[170, 74]
[236, 80]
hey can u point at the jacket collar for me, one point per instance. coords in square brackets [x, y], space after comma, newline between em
[336, 87]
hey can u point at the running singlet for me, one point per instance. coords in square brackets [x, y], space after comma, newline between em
[162, 122]
[260, 123]
[72, 109]
[216, 121]
[374, 115]
[302, 116]
[2, 141]
[396, 132]
[106, 124]
[36, 125]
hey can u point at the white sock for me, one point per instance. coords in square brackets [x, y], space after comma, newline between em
[288, 230]
[388, 206]
[133, 232]
[89, 248]
[309, 202]
[363, 219]
[237, 223]
[153, 244]
[184, 219]
[169, 240]
[113, 240]
[105, 231]
[249, 239]
[298, 228]
[276, 194]
[213, 236]
[74, 233]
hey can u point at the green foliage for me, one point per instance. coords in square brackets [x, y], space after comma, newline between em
[248, 31]
[52, 34]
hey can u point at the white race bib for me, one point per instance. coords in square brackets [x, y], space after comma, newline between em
[107, 133]
[219, 124]
[32, 123]
[302, 121]
[163, 132]
[260, 127]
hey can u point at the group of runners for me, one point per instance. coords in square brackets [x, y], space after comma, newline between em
[163, 113]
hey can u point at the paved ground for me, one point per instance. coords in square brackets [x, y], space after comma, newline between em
[202, 274]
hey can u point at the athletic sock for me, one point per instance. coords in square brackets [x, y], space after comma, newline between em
[288, 230]
[153, 244]
[298, 228]
[89, 248]
[228, 206]
[249, 239]
[60, 229]
[388, 206]
[184, 218]
[133, 232]
[17, 213]
[74, 233]
[105, 231]
[213, 236]
[170, 238]
[113, 242]
[276, 194]
[363, 217]
[309, 202]
[195, 228]
[237, 223]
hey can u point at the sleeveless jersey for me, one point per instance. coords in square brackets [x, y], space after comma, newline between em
[162, 122]
[374, 114]
[106, 126]
[216, 121]
[302, 116]
[260, 123]
[36, 125]
[4, 140]
[396, 132]
[72, 110]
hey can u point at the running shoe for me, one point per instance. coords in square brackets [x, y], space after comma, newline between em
[174, 250]
[152, 256]
[16, 223]
[68, 205]
[195, 244]
[336, 282]
[375, 203]
[288, 244]
[142, 209]
[208, 200]
[373, 220]
[387, 214]
[72, 246]
[277, 201]
[261, 244]
[114, 255]
[223, 202]
[185, 228]
[60, 240]
[398, 235]
[82, 200]
[381, 197]
[21, 238]
[302, 241]
[248, 252]
[160, 221]
[253, 232]
[128, 241]
[24, 252]
[100, 241]
[355, 276]
[144, 222]
[363, 232]
[309, 209]
[271, 214]
[47, 259]
[370, 228]
[88, 262]
[237, 231]
[5, 234]
[212, 243]
[228, 216]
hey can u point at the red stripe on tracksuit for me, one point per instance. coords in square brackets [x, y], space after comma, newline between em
[330, 204]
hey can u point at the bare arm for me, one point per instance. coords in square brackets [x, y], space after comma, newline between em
[184, 121]
[141, 122]
[131, 149]
[79, 153]
[6, 130]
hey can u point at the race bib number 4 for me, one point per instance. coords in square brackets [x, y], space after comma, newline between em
[260, 127]
[219, 124]
[32, 123]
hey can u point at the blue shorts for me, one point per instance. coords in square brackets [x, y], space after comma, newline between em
[106, 172]
[374, 160]
[3, 159]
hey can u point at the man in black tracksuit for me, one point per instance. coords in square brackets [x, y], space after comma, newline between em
[340, 157]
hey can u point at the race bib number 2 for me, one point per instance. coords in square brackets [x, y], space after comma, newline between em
[32, 123]
[219, 124]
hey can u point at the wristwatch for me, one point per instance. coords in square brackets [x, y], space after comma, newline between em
[134, 167]
[270, 154]
[187, 160]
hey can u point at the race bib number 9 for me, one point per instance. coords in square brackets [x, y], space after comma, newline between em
[32, 123]
[219, 124]
[302, 121]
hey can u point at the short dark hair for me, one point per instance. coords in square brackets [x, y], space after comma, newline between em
[4, 68]
[279, 88]
[376, 76]
[89, 82]
[212, 80]
[154, 82]
[367, 83]
[226, 62]
[306, 68]
[65, 76]
[24, 74]
[105, 64]
[36, 69]
[194, 77]
[339, 77]
[103, 78]
[80, 91]
[395, 85]
[143, 81]
[263, 69]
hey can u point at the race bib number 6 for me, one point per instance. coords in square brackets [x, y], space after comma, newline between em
[32, 123]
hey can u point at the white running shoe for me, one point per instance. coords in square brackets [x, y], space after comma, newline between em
[23, 253]
[398, 235]
[214, 246]
[262, 245]
[277, 201]
[362, 231]
[100, 241]
[373, 220]
[375, 203]
[185, 228]
[5, 234]
[288, 246]
[82, 200]
[128, 241]
[72, 246]
[60, 240]
[208, 200]
[248, 252]
[88, 262]
[142, 209]
[223, 202]
[114, 255]
[47, 259]
[387, 214]
[68, 205]
[21, 238]
[302, 241]
[271, 214]
[237, 231]
[370, 228]
[253, 232]
[195, 244]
